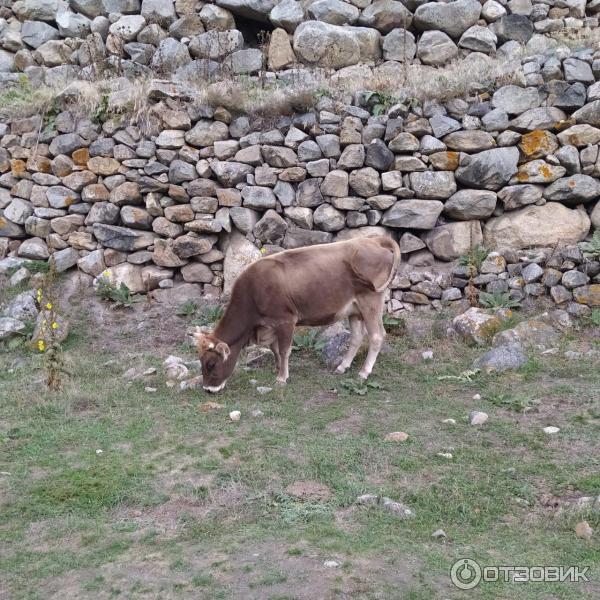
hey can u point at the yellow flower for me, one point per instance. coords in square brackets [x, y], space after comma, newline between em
[106, 273]
[55, 325]
[263, 250]
[49, 305]
[39, 295]
[41, 345]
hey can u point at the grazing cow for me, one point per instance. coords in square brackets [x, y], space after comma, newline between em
[315, 285]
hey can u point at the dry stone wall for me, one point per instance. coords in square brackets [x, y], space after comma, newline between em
[54, 41]
[210, 191]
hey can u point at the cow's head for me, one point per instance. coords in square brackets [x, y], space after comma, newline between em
[214, 354]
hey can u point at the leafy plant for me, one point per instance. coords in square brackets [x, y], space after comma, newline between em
[498, 300]
[591, 249]
[189, 307]
[209, 315]
[308, 341]
[474, 258]
[464, 377]
[101, 113]
[379, 102]
[121, 295]
[509, 402]
[33, 266]
[360, 387]
[392, 323]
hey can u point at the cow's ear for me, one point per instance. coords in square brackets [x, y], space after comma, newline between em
[223, 349]
[203, 340]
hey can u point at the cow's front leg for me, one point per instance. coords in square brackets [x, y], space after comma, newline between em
[356, 338]
[285, 335]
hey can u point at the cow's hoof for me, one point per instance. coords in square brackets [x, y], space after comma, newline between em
[363, 375]
[341, 369]
[280, 381]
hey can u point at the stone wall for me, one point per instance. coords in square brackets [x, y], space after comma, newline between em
[54, 41]
[207, 193]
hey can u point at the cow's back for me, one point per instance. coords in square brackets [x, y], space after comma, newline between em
[317, 284]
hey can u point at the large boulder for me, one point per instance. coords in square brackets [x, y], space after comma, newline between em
[549, 225]
[453, 18]
[326, 45]
[490, 169]
[515, 100]
[437, 185]
[476, 325]
[238, 255]
[288, 14]
[452, 240]
[122, 238]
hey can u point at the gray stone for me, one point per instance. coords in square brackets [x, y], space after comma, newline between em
[385, 15]
[516, 28]
[539, 118]
[159, 11]
[448, 242]
[64, 259]
[465, 205]
[244, 62]
[478, 39]
[122, 238]
[501, 358]
[516, 196]
[573, 190]
[169, 56]
[573, 278]
[453, 18]
[72, 25]
[532, 273]
[128, 27]
[436, 48]
[399, 45]
[328, 218]
[308, 194]
[297, 237]
[443, 125]
[413, 214]
[515, 100]
[433, 184]
[365, 182]
[34, 249]
[317, 43]
[578, 70]
[36, 33]
[490, 169]
[258, 197]
[216, 44]
[334, 12]
[271, 228]
[10, 327]
[287, 14]
[378, 156]
[206, 133]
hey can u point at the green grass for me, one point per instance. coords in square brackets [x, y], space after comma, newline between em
[183, 503]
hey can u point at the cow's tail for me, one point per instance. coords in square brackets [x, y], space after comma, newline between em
[393, 246]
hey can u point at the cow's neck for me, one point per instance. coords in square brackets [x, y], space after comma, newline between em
[235, 327]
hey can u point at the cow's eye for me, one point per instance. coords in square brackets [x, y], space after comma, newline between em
[210, 365]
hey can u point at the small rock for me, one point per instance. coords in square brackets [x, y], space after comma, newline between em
[235, 415]
[583, 530]
[257, 413]
[477, 397]
[396, 436]
[98, 452]
[439, 533]
[477, 417]
[367, 500]
[551, 429]
[396, 508]
[447, 455]
[331, 564]
[150, 390]
[263, 390]
[149, 371]
[427, 354]
[449, 421]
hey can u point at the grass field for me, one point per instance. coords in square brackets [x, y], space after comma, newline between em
[111, 491]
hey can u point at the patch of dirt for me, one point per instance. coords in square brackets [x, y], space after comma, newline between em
[348, 425]
[323, 398]
[309, 491]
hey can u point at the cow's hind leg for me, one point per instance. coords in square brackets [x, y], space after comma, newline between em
[285, 335]
[357, 332]
[371, 308]
[275, 350]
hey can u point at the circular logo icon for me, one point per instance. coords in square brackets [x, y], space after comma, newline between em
[465, 574]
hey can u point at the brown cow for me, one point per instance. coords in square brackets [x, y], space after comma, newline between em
[315, 285]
